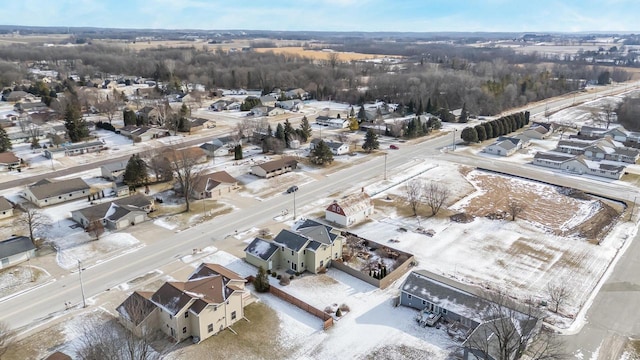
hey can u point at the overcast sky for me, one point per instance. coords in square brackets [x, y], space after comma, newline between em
[332, 15]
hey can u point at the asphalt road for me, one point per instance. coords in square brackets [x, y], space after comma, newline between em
[44, 301]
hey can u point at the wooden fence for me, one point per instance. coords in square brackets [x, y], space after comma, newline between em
[327, 320]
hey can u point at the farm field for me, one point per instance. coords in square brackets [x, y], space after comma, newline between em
[321, 55]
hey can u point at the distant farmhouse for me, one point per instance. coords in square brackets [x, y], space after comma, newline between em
[50, 192]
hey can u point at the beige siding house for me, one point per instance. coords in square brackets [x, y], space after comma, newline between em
[214, 185]
[310, 248]
[117, 214]
[6, 208]
[350, 210]
[50, 192]
[15, 250]
[275, 167]
[212, 299]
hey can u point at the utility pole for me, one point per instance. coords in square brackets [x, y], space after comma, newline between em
[294, 204]
[385, 166]
[453, 142]
[84, 302]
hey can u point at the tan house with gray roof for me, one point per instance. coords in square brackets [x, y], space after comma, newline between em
[349, 210]
[214, 185]
[212, 299]
[275, 167]
[117, 214]
[50, 192]
[6, 208]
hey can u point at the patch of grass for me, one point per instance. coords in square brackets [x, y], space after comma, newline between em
[398, 352]
[257, 339]
[522, 248]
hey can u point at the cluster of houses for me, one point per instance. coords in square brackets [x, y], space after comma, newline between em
[507, 146]
[596, 151]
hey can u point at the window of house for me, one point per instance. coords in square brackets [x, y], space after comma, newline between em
[170, 316]
[444, 311]
[233, 315]
[70, 194]
[282, 249]
[291, 252]
[408, 296]
[59, 197]
[424, 302]
[186, 314]
[210, 328]
[184, 330]
[304, 252]
[302, 265]
[215, 308]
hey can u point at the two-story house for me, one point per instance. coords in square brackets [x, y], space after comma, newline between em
[212, 299]
[311, 248]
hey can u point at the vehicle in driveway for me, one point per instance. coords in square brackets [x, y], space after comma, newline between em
[294, 188]
[393, 147]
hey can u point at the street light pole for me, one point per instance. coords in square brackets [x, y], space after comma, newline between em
[294, 204]
[385, 166]
[84, 302]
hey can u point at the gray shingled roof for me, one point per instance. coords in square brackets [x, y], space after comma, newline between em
[557, 157]
[116, 166]
[261, 248]
[46, 189]
[291, 240]
[122, 207]
[136, 307]
[15, 245]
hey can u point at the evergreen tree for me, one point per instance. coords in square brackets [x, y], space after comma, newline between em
[464, 114]
[129, 117]
[305, 128]
[469, 135]
[352, 113]
[288, 133]
[488, 129]
[429, 106]
[338, 313]
[321, 154]
[280, 135]
[5, 142]
[269, 130]
[237, 152]
[261, 283]
[434, 123]
[420, 110]
[370, 141]
[77, 127]
[482, 134]
[362, 114]
[135, 174]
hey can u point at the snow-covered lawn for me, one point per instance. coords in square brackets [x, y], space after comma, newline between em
[79, 247]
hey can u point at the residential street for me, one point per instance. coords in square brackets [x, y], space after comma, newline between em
[620, 292]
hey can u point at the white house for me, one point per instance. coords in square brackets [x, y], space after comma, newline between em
[502, 148]
[50, 192]
[350, 210]
[114, 171]
[580, 165]
[117, 214]
[9, 161]
[16, 250]
[337, 148]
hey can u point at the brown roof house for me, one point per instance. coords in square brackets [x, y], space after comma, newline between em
[6, 208]
[194, 154]
[49, 192]
[117, 214]
[275, 167]
[349, 210]
[212, 299]
[9, 161]
[214, 185]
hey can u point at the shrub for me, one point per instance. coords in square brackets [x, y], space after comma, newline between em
[297, 273]
[279, 277]
[344, 307]
[291, 277]
[338, 313]
[273, 274]
[269, 271]
[261, 282]
[322, 270]
[285, 281]
[328, 310]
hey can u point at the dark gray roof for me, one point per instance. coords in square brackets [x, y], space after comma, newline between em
[47, 188]
[116, 209]
[313, 245]
[83, 145]
[15, 245]
[291, 240]
[115, 166]
[444, 293]
[514, 140]
[553, 156]
[261, 248]
[136, 307]
[210, 147]
[316, 231]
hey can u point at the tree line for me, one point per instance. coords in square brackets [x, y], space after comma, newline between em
[495, 128]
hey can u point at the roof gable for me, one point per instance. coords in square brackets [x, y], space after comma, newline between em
[261, 248]
[291, 240]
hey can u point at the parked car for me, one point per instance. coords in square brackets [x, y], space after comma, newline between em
[394, 147]
[294, 188]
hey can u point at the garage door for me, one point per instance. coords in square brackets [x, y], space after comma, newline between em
[139, 219]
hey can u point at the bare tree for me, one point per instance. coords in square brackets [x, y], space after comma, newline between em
[32, 220]
[558, 294]
[508, 329]
[515, 208]
[413, 190]
[158, 165]
[609, 112]
[108, 107]
[95, 228]
[436, 195]
[183, 163]
[7, 338]
[546, 346]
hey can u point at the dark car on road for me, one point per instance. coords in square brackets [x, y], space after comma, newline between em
[292, 189]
